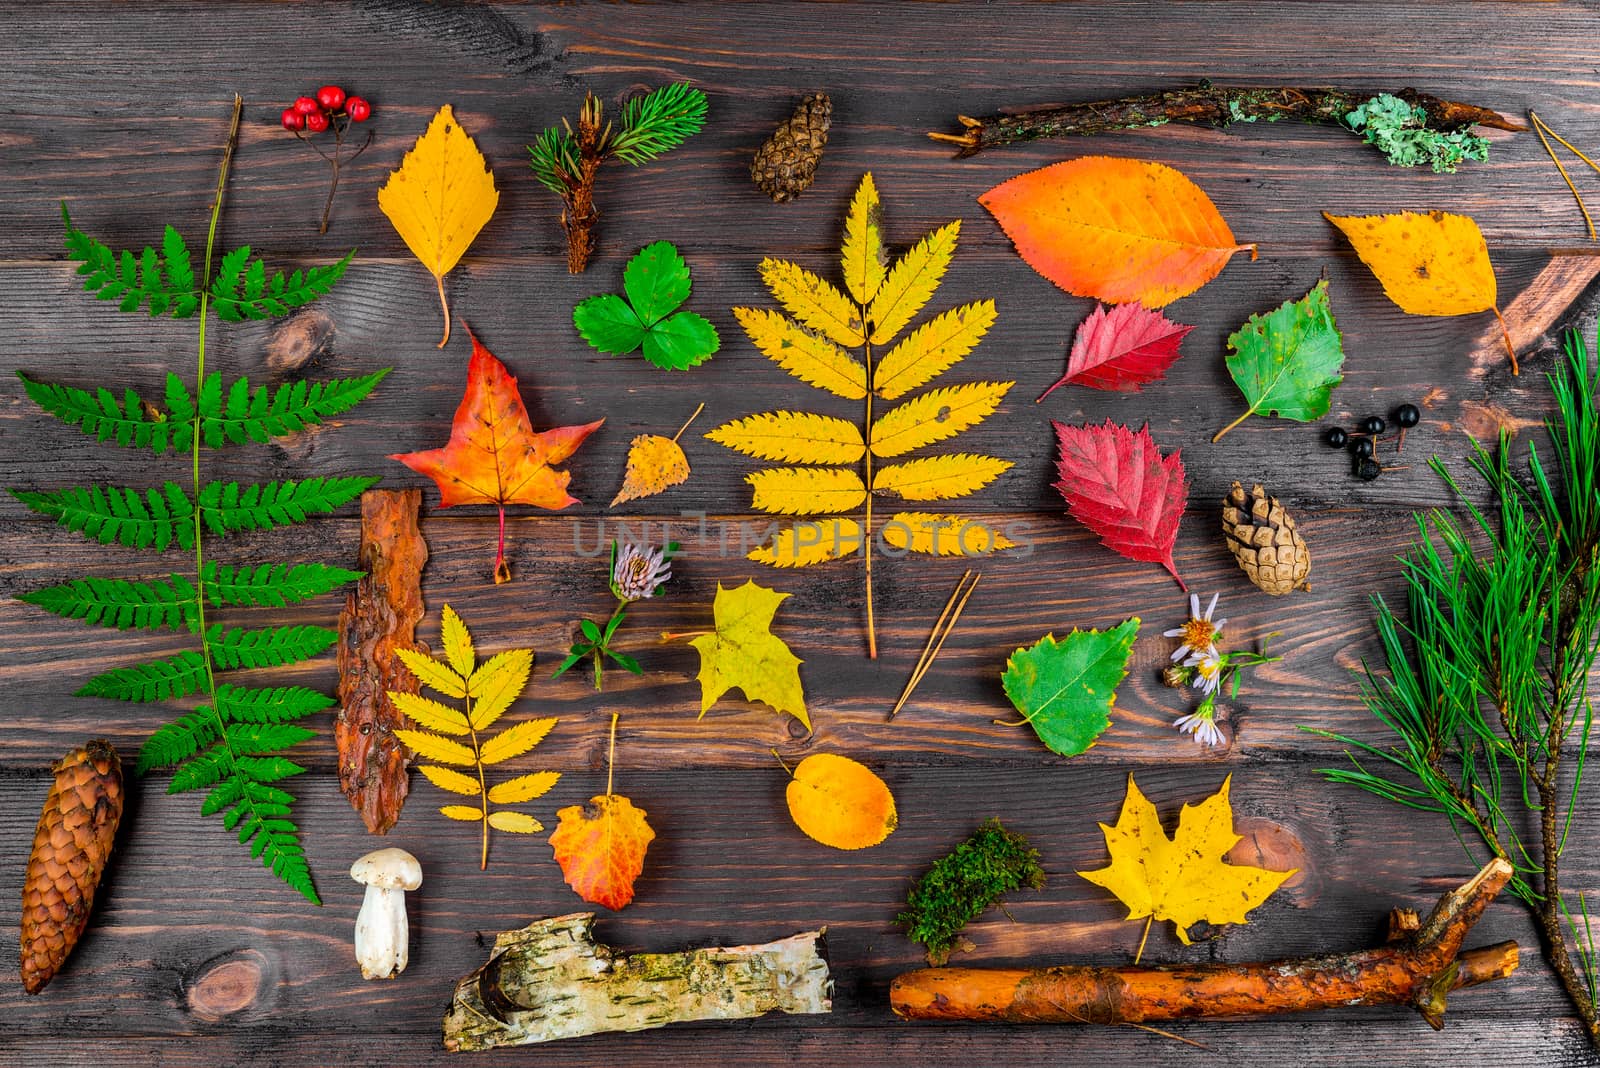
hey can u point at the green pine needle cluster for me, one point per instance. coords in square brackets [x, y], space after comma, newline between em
[651, 125]
[959, 887]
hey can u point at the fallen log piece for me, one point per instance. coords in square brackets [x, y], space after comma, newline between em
[1420, 966]
[552, 980]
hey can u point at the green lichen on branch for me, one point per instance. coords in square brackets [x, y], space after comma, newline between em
[1401, 132]
[960, 887]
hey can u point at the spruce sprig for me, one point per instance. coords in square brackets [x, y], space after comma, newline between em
[1486, 687]
[228, 744]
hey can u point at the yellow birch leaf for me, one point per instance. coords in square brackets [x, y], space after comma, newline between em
[793, 437]
[840, 803]
[812, 301]
[932, 348]
[464, 813]
[515, 740]
[1433, 264]
[496, 684]
[742, 651]
[938, 478]
[457, 643]
[911, 283]
[806, 490]
[655, 464]
[810, 543]
[942, 535]
[807, 356]
[440, 198]
[523, 787]
[454, 781]
[862, 255]
[514, 822]
[432, 747]
[1183, 879]
[429, 714]
[936, 415]
[439, 676]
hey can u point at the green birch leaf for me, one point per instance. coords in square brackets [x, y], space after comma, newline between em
[1065, 689]
[1287, 361]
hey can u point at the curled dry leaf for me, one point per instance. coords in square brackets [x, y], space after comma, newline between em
[840, 802]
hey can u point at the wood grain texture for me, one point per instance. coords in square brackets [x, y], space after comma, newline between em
[196, 957]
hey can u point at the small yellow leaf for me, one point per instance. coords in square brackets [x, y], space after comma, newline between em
[911, 283]
[464, 813]
[862, 256]
[454, 781]
[742, 651]
[457, 642]
[932, 348]
[812, 301]
[496, 684]
[515, 822]
[938, 478]
[793, 438]
[810, 543]
[936, 415]
[942, 535]
[1433, 264]
[840, 803]
[428, 714]
[655, 464]
[433, 673]
[515, 740]
[806, 490]
[523, 788]
[432, 747]
[808, 357]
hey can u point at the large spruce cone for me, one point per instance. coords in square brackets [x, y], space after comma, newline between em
[787, 161]
[1262, 537]
[70, 850]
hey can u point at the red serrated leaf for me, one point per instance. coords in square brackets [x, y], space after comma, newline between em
[1122, 348]
[1119, 485]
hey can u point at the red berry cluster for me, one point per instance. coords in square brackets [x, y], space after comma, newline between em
[317, 113]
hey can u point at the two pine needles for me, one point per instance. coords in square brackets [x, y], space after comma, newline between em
[1540, 128]
[941, 630]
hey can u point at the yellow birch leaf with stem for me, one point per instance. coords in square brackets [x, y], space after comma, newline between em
[655, 464]
[439, 199]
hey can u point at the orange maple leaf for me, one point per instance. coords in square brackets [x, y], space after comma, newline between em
[494, 456]
[600, 847]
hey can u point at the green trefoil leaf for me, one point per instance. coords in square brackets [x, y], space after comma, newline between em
[655, 282]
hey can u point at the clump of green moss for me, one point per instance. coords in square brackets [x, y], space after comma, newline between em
[1400, 131]
[959, 887]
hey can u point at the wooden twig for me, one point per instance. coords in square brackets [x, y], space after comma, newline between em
[936, 637]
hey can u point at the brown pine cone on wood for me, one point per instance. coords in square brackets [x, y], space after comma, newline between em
[70, 850]
[1262, 537]
[787, 161]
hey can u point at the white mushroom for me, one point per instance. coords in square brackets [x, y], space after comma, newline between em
[382, 934]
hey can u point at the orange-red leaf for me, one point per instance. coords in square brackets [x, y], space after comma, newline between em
[600, 847]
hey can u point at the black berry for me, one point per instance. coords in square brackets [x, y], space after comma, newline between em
[1407, 415]
[1374, 424]
[1336, 437]
[1361, 448]
[1367, 470]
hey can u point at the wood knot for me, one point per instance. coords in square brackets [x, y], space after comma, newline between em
[1266, 844]
[298, 340]
[228, 985]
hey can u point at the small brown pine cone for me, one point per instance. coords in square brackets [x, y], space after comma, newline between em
[1262, 537]
[70, 850]
[787, 161]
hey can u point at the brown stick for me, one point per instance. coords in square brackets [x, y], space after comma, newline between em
[1418, 969]
[380, 616]
[1202, 105]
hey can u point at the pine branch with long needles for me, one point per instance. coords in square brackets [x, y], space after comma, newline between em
[1487, 680]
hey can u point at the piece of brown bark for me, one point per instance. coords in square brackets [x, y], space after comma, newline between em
[1420, 966]
[380, 615]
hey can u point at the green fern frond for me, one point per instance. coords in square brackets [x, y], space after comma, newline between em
[659, 121]
[253, 739]
[175, 742]
[268, 646]
[241, 290]
[277, 704]
[99, 414]
[554, 154]
[227, 506]
[112, 514]
[157, 680]
[119, 603]
[135, 281]
[272, 585]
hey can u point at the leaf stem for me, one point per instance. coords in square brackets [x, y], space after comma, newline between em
[483, 785]
[1144, 937]
[611, 755]
[1231, 425]
[445, 304]
[502, 573]
[691, 419]
[866, 533]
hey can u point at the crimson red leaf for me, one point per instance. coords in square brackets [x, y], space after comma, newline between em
[1122, 348]
[1119, 485]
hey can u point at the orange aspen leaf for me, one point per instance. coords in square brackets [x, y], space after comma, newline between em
[601, 846]
[840, 802]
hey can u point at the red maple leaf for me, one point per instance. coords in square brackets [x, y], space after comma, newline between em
[1121, 348]
[1119, 485]
[493, 456]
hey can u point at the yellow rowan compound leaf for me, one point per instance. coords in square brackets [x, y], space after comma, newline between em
[810, 543]
[457, 643]
[938, 478]
[806, 356]
[498, 682]
[429, 714]
[943, 535]
[434, 674]
[454, 781]
[514, 822]
[432, 747]
[523, 788]
[932, 348]
[464, 813]
[742, 651]
[911, 283]
[812, 301]
[793, 438]
[1183, 879]
[862, 256]
[806, 490]
[655, 464]
[936, 415]
[840, 803]
[1433, 264]
[440, 198]
[515, 740]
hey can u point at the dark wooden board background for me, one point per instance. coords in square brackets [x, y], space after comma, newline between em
[198, 957]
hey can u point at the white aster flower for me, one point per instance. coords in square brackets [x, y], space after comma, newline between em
[1202, 725]
[1199, 632]
[1207, 671]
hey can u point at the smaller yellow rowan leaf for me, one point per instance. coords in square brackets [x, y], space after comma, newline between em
[810, 543]
[514, 822]
[814, 302]
[793, 438]
[523, 787]
[496, 684]
[809, 357]
[434, 674]
[911, 283]
[932, 348]
[942, 535]
[1433, 264]
[429, 714]
[454, 781]
[432, 747]
[464, 813]
[862, 255]
[655, 464]
[935, 415]
[515, 740]
[938, 478]
[457, 642]
[806, 490]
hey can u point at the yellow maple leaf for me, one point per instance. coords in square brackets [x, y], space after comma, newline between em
[438, 200]
[742, 651]
[1183, 879]
[840, 802]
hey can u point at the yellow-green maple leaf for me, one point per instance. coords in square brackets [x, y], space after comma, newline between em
[742, 651]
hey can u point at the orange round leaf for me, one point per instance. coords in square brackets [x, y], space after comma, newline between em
[840, 802]
[600, 847]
